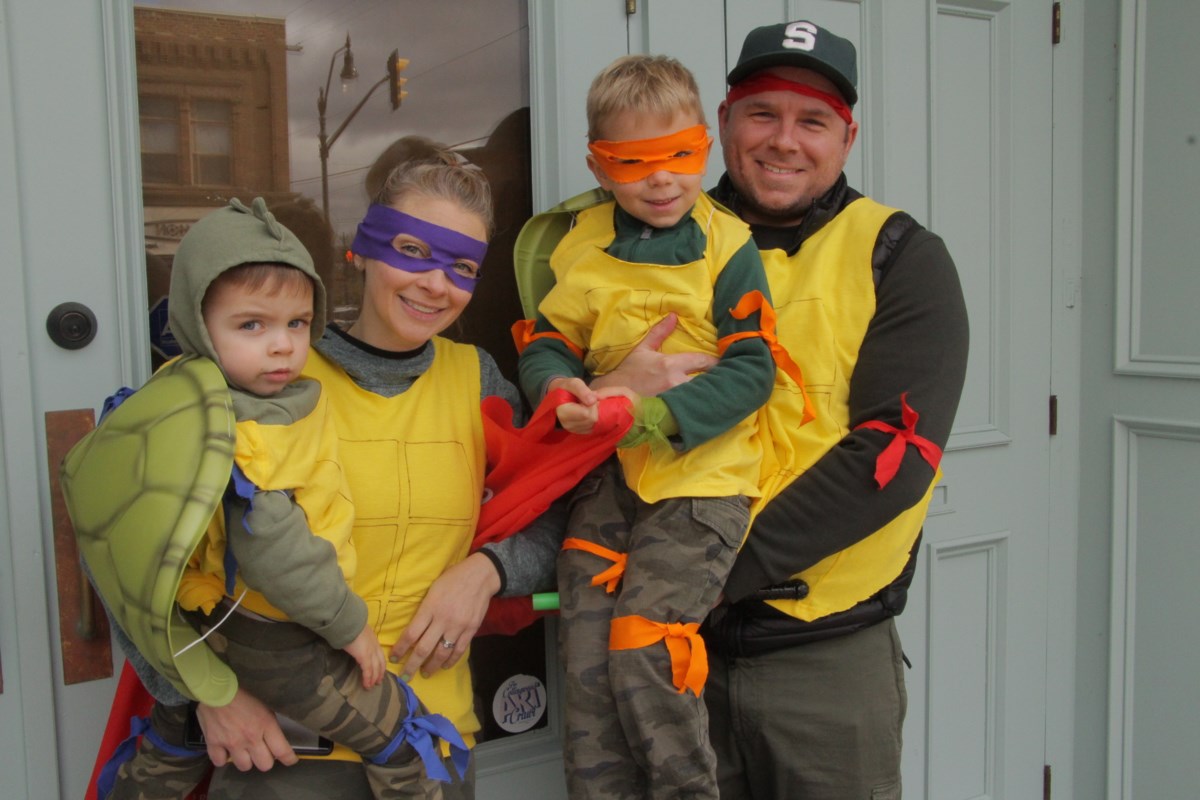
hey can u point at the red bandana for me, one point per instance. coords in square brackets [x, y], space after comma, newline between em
[764, 82]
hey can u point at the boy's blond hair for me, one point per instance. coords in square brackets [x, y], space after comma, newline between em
[657, 85]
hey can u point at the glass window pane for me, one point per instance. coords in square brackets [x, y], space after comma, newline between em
[213, 171]
[160, 137]
[158, 168]
[212, 110]
[154, 106]
[245, 88]
[211, 139]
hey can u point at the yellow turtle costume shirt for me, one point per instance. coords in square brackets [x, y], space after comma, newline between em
[823, 317]
[296, 462]
[415, 465]
[605, 306]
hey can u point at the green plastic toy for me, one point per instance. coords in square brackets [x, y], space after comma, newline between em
[141, 489]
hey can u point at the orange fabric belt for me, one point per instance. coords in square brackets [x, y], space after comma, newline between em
[689, 659]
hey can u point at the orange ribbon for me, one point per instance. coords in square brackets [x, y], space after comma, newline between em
[523, 336]
[689, 659]
[684, 152]
[755, 301]
[888, 462]
[609, 577]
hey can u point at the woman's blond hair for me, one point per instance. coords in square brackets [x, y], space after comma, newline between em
[423, 166]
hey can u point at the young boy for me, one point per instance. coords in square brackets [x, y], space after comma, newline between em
[676, 507]
[269, 581]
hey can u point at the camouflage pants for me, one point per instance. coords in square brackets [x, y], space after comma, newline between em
[154, 774]
[315, 779]
[629, 732]
[298, 674]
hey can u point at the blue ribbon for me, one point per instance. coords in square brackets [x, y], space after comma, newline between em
[422, 732]
[243, 487]
[114, 400]
[124, 752]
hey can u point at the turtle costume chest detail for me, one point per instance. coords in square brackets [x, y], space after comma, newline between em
[141, 489]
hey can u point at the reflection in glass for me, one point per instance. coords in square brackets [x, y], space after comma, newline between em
[160, 139]
[231, 99]
[212, 134]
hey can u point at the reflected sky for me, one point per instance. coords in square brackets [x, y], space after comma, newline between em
[468, 68]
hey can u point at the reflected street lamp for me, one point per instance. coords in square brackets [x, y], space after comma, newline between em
[395, 65]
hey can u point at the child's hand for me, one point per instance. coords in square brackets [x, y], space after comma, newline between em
[577, 418]
[366, 651]
[582, 419]
[577, 387]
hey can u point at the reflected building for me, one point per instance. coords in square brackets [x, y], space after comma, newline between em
[213, 114]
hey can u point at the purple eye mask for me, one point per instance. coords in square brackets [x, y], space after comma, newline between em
[383, 224]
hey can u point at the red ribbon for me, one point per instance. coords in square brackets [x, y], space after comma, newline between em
[888, 462]
[527, 469]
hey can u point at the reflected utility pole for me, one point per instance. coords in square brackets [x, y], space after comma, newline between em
[395, 65]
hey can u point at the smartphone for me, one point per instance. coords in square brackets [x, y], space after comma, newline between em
[302, 740]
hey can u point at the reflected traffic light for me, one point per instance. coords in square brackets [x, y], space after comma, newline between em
[396, 91]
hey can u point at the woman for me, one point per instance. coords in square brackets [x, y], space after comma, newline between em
[406, 402]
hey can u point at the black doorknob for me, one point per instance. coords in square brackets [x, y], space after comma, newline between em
[71, 325]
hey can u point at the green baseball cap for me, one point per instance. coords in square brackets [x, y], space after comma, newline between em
[800, 44]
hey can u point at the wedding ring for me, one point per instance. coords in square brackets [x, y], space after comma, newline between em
[446, 643]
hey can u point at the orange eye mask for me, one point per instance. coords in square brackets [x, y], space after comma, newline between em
[684, 152]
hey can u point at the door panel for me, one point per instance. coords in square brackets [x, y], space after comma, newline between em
[60, 244]
[28, 751]
[978, 619]
[1150, 383]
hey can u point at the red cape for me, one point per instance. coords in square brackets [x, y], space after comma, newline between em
[528, 469]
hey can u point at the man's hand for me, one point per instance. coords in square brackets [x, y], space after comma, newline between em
[244, 733]
[648, 372]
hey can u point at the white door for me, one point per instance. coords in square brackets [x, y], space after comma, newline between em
[65, 230]
[955, 112]
[1142, 439]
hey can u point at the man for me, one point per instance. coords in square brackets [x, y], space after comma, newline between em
[806, 687]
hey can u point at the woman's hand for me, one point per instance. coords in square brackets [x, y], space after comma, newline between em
[448, 617]
[244, 733]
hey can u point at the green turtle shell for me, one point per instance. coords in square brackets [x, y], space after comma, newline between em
[141, 489]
